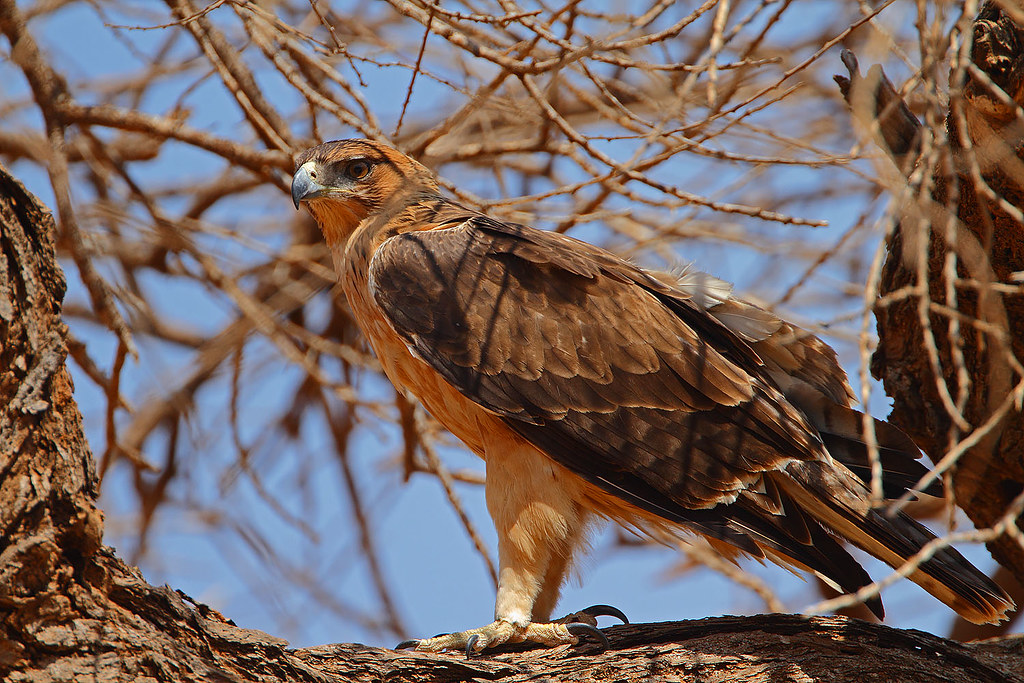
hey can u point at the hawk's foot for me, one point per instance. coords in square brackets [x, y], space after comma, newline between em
[498, 633]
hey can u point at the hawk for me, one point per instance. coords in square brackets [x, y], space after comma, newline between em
[593, 388]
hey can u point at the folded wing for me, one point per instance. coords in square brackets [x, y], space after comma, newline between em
[633, 383]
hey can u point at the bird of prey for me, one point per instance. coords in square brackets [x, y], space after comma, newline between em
[593, 388]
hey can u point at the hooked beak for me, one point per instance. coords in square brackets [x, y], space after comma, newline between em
[304, 186]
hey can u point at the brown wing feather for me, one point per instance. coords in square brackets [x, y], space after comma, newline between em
[587, 359]
[808, 374]
[598, 371]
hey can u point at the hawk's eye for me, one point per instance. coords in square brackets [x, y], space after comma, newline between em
[358, 169]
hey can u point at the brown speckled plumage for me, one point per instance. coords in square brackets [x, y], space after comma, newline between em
[593, 387]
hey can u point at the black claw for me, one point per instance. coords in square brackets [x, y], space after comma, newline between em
[470, 642]
[583, 631]
[605, 611]
[407, 644]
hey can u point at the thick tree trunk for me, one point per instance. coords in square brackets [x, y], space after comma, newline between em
[950, 290]
[70, 610]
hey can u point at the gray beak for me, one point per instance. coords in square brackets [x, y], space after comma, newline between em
[303, 185]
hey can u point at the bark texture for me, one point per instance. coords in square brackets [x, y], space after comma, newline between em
[950, 296]
[49, 526]
[70, 610]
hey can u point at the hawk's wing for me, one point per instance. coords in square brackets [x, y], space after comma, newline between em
[807, 372]
[634, 388]
[616, 375]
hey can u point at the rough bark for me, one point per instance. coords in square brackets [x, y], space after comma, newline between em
[966, 208]
[70, 610]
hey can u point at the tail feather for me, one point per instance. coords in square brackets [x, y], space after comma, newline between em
[775, 526]
[834, 565]
[842, 430]
[834, 491]
[899, 472]
[832, 498]
[970, 592]
[792, 538]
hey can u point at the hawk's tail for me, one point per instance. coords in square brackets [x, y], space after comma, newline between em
[830, 495]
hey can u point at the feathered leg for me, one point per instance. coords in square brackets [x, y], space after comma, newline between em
[539, 521]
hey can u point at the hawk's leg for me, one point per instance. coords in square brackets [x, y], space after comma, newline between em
[539, 522]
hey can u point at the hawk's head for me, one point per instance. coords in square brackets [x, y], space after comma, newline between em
[344, 181]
